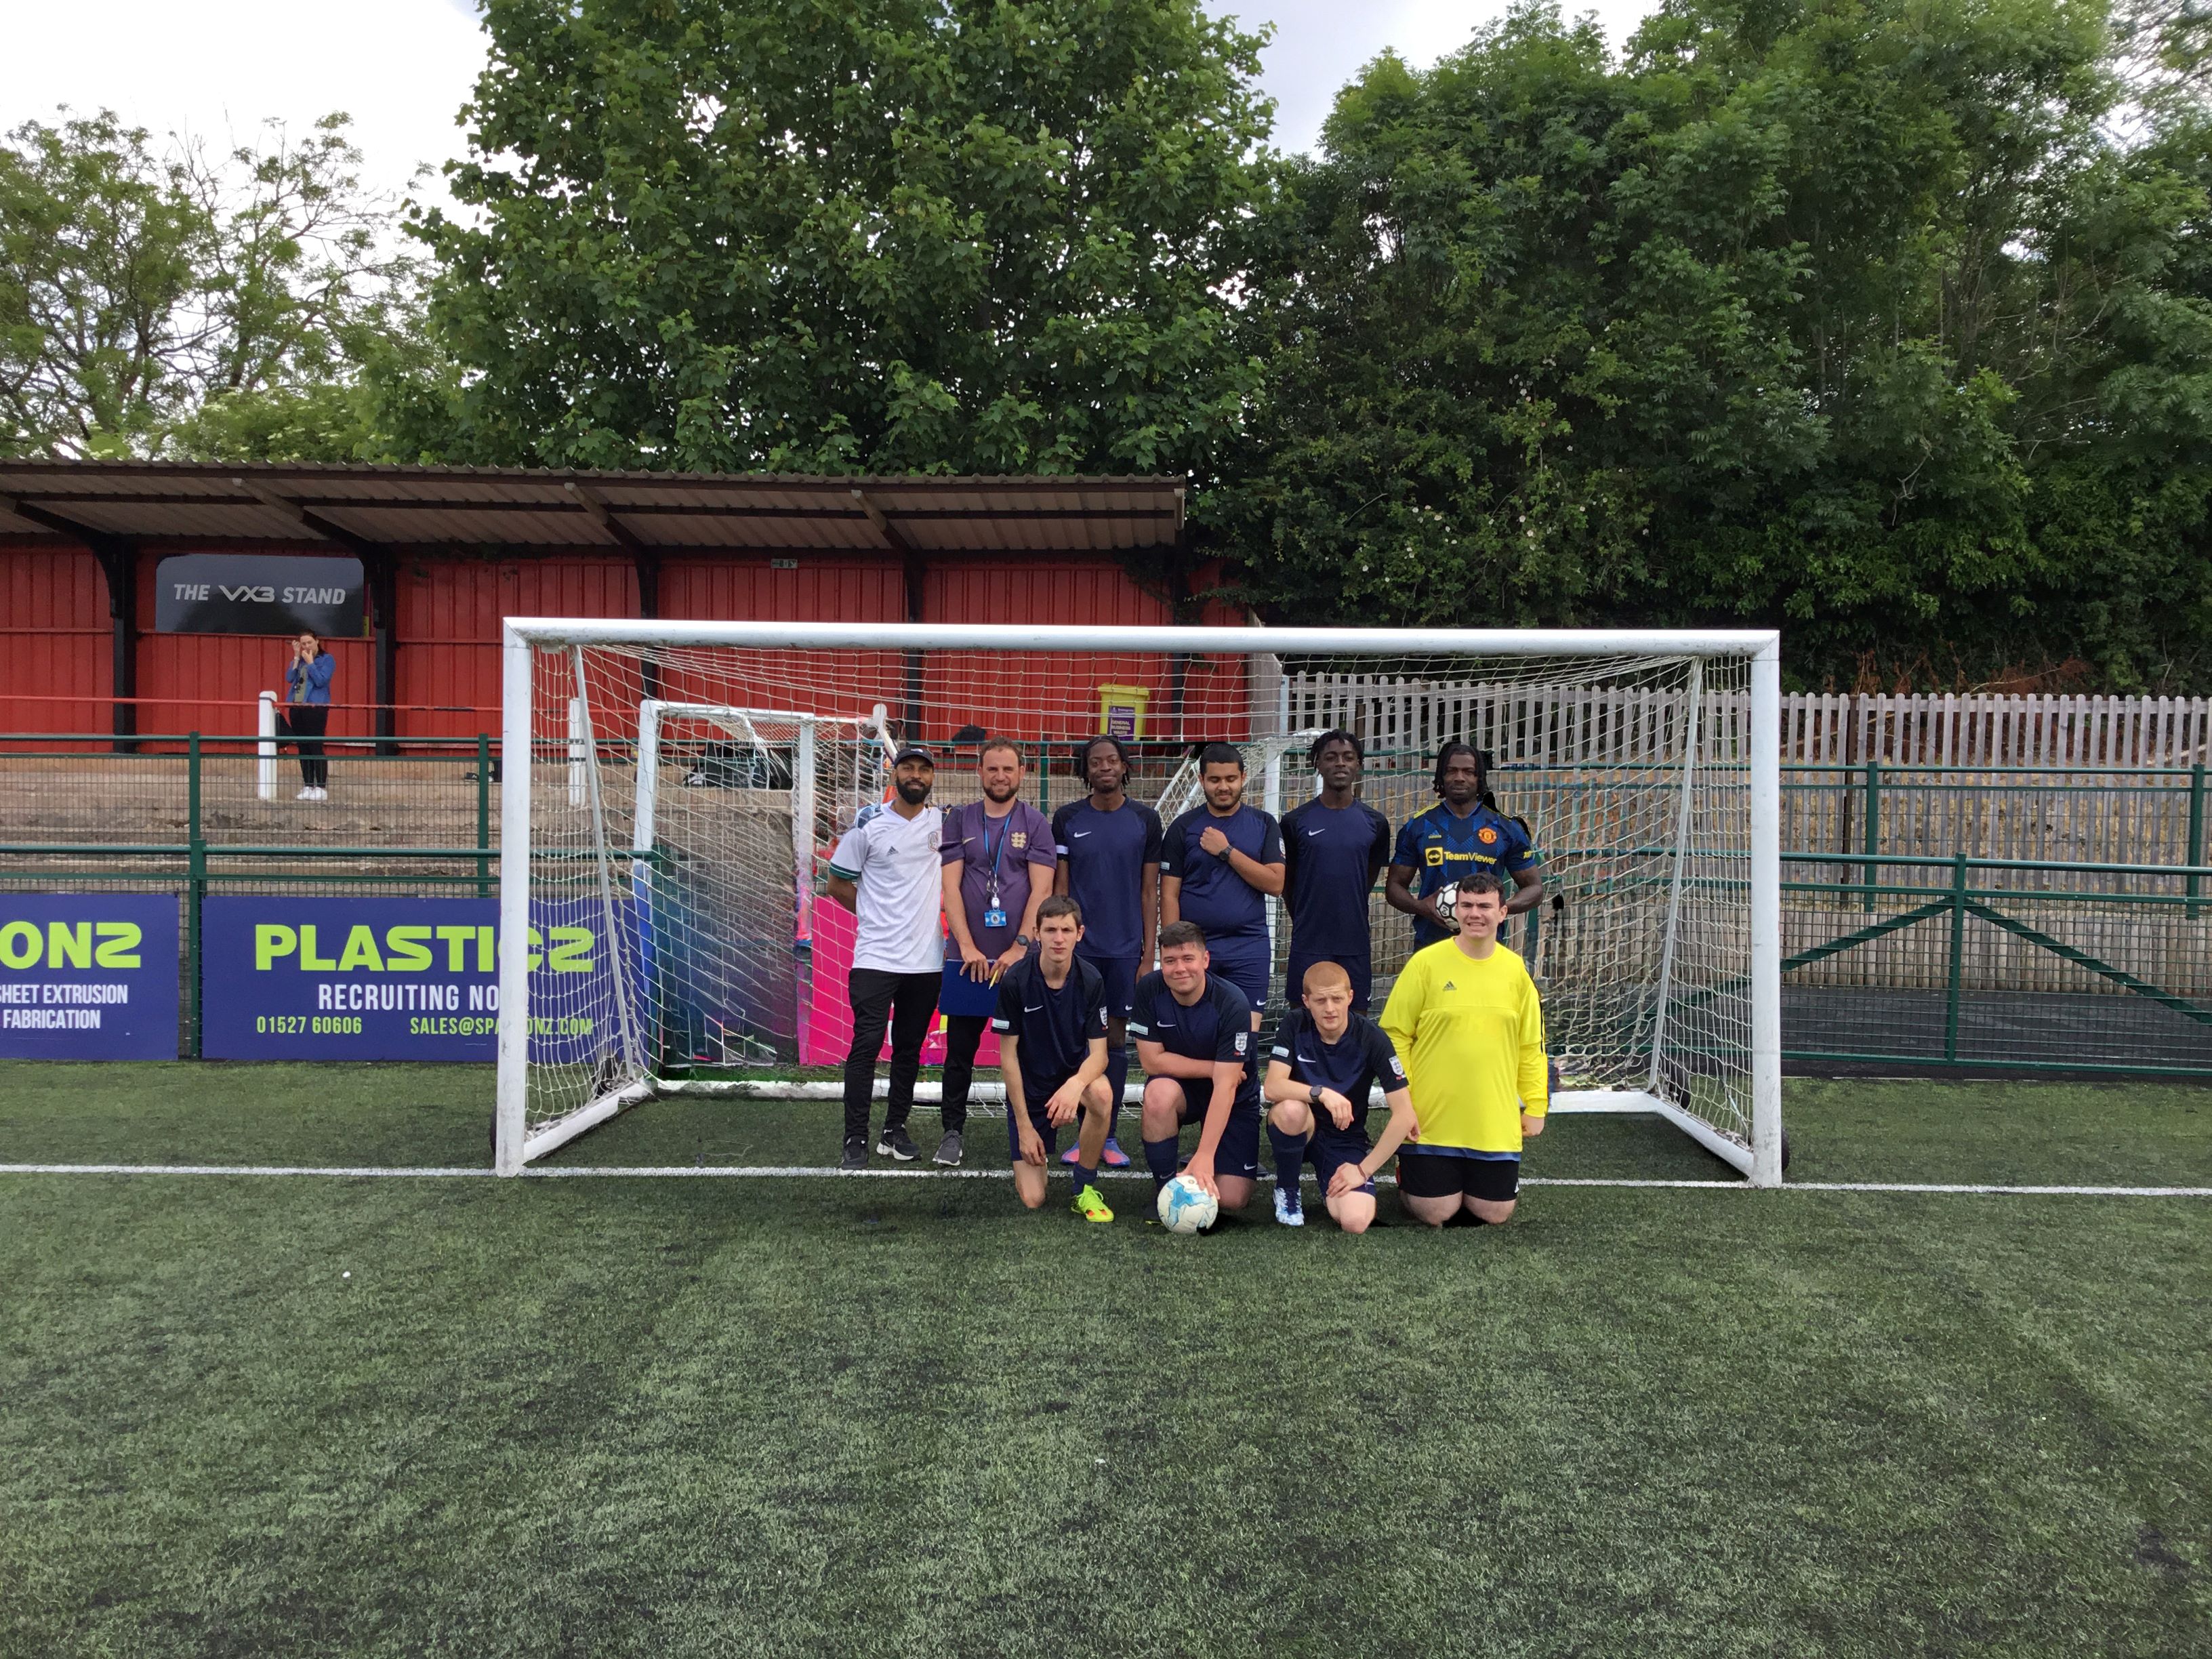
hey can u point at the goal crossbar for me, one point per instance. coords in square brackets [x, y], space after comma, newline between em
[1197, 642]
[524, 637]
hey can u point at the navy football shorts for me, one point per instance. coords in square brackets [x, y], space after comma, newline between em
[1245, 964]
[1330, 1150]
[1238, 1154]
[1048, 1131]
[1120, 974]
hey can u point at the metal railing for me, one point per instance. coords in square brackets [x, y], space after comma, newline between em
[1961, 957]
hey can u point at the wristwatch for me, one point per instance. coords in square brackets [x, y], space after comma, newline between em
[1024, 940]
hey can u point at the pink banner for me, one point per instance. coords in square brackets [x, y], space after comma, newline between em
[825, 1025]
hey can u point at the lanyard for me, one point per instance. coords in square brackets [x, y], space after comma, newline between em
[1005, 829]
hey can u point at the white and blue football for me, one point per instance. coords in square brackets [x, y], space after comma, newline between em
[1186, 1206]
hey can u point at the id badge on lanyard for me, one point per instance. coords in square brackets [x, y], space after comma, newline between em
[994, 912]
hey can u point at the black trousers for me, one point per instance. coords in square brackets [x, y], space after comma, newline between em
[304, 724]
[963, 1036]
[905, 1003]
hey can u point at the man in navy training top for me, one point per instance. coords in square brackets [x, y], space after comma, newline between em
[998, 863]
[1458, 836]
[1051, 1021]
[1194, 1031]
[1325, 1060]
[1110, 863]
[1220, 864]
[1333, 848]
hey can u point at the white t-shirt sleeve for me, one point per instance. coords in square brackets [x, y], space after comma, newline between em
[850, 858]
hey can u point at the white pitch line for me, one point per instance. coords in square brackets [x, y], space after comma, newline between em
[342, 1169]
[1977, 1190]
[805, 1171]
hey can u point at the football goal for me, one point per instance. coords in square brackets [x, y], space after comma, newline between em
[671, 792]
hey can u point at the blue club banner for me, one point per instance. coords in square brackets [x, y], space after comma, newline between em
[289, 978]
[87, 977]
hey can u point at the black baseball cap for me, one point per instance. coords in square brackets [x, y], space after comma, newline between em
[915, 751]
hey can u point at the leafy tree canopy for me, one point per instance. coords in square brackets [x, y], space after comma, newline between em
[247, 304]
[927, 235]
[1854, 316]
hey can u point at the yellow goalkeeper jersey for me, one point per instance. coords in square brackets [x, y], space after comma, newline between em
[1472, 1035]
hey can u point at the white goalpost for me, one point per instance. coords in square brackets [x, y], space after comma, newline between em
[659, 933]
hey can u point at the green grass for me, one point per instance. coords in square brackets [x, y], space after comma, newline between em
[802, 1417]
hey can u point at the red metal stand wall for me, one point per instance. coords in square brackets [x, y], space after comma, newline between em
[56, 638]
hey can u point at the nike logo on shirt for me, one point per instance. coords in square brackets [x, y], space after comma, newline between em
[1078, 834]
[1316, 832]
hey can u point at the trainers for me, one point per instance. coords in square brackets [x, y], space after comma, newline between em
[321, 794]
[1073, 1155]
[856, 1155]
[949, 1149]
[898, 1144]
[1090, 1205]
[305, 794]
[1115, 1157]
[1288, 1211]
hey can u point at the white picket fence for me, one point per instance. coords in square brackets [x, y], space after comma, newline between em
[1571, 725]
[1521, 723]
[1970, 729]
[2062, 781]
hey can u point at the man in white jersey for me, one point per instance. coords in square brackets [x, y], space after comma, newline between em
[885, 872]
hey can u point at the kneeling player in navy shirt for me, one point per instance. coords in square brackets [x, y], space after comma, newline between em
[1325, 1059]
[1193, 1029]
[1051, 1021]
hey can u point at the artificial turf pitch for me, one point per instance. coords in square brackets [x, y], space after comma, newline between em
[636, 1416]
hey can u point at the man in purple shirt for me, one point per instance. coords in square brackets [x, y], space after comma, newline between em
[999, 860]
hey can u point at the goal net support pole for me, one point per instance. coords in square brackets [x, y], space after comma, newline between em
[1766, 912]
[1708, 1007]
[511, 1118]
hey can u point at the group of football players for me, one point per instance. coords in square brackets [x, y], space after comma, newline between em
[1052, 933]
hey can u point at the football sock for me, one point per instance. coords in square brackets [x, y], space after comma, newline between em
[1117, 1079]
[1082, 1178]
[1290, 1158]
[1160, 1159]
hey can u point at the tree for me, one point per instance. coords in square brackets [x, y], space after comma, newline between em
[892, 235]
[1854, 317]
[195, 304]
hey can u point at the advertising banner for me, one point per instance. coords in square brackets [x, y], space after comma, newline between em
[826, 1020]
[292, 978]
[257, 594]
[87, 977]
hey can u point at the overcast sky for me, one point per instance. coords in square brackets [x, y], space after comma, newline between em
[401, 67]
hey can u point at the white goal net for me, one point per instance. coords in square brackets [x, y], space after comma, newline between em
[672, 791]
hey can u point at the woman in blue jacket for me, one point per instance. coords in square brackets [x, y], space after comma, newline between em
[306, 712]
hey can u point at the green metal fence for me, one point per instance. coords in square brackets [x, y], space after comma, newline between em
[1958, 962]
[1911, 935]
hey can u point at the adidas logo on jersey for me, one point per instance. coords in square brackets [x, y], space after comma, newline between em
[1449, 986]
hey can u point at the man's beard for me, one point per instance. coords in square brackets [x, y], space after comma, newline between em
[1006, 792]
[913, 791]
